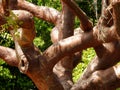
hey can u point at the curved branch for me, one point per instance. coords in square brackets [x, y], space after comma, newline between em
[9, 56]
[108, 79]
[26, 30]
[69, 46]
[42, 12]
[77, 43]
[107, 56]
[55, 38]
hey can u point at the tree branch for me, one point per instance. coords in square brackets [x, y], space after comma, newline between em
[116, 16]
[107, 56]
[71, 45]
[77, 43]
[86, 24]
[108, 79]
[42, 12]
[9, 56]
[63, 69]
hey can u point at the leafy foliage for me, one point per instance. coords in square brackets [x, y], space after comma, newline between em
[86, 58]
[11, 22]
[43, 29]
[6, 39]
[50, 3]
[12, 79]
[88, 6]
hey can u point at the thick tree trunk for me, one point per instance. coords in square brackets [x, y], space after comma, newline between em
[101, 73]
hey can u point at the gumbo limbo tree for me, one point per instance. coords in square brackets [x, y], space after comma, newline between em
[52, 69]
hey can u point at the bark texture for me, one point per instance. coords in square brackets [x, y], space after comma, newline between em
[52, 69]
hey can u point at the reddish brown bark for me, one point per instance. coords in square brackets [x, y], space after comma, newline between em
[101, 73]
[8, 55]
[42, 12]
[63, 69]
[86, 25]
[106, 79]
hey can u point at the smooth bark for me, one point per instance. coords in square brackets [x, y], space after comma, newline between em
[42, 12]
[63, 69]
[101, 73]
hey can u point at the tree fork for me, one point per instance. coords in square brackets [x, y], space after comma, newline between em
[87, 73]
[40, 70]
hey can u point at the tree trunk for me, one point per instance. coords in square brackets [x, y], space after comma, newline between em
[52, 69]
